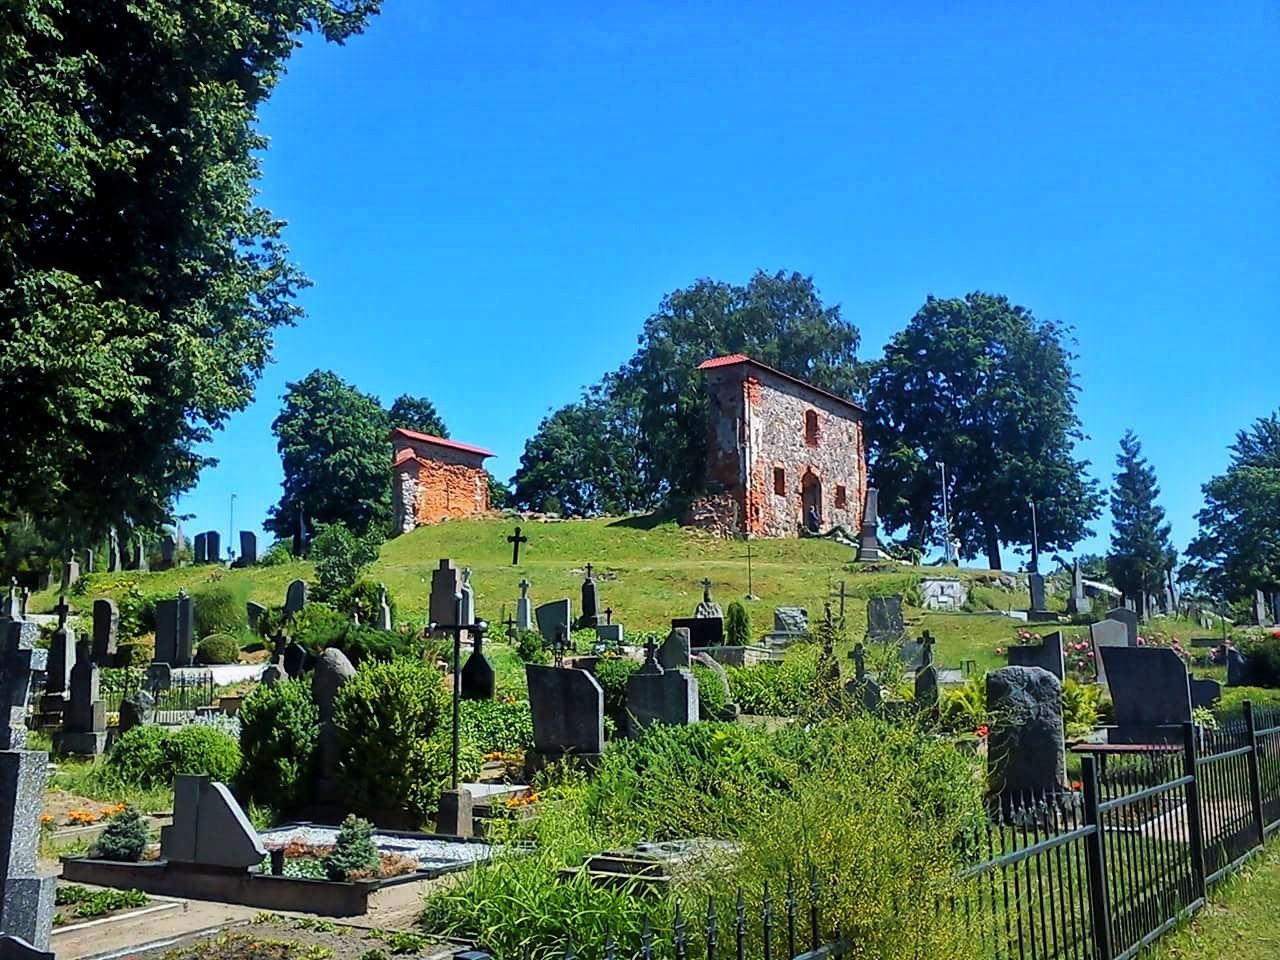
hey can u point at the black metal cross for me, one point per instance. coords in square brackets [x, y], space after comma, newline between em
[588, 571]
[560, 644]
[478, 629]
[608, 615]
[62, 610]
[515, 540]
[926, 649]
[859, 657]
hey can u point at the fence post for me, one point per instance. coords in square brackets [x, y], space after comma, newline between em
[1096, 863]
[1195, 828]
[1255, 773]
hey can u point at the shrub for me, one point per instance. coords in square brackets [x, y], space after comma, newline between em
[493, 726]
[138, 757]
[612, 675]
[963, 709]
[278, 554]
[354, 855]
[531, 649]
[777, 689]
[362, 644]
[385, 716]
[1081, 704]
[364, 596]
[315, 626]
[279, 725]
[125, 837]
[1231, 704]
[711, 696]
[137, 612]
[339, 556]
[150, 756]
[737, 625]
[1263, 661]
[218, 648]
[216, 608]
[133, 654]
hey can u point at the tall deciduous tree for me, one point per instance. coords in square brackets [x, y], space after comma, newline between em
[336, 457]
[1238, 548]
[983, 386]
[1141, 552]
[140, 281]
[418, 414]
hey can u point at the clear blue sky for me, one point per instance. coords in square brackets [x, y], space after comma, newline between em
[490, 201]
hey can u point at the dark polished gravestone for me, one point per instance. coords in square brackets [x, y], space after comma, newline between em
[478, 679]
[590, 601]
[209, 828]
[1151, 692]
[1047, 655]
[84, 724]
[26, 897]
[554, 619]
[106, 626]
[1026, 745]
[1205, 693]
[703, 631]
[18, 659]
[295, 597]
[884, 619]
[200, 548]
[655, 695]
[214, 541]
[568, 712]
[175, 631]
[248, 549]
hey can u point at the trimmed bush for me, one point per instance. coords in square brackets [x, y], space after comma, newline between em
[1263, 659]
[711, 698]
[133, 655]
[138, 757]
[218, 648]
[279, 725]
[353, 856]
[737, 625]
[125, 837]
[531, 649]
[216, 608]
[151, 756]
[385, 715]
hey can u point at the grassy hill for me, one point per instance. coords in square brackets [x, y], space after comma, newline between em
[649, 572]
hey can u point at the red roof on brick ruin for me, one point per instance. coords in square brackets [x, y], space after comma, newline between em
[733, 359]
[438, 442]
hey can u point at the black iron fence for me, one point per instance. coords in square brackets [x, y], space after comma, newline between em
[1105, 872]
[171, 698]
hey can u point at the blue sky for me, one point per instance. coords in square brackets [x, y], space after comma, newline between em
[490, 201]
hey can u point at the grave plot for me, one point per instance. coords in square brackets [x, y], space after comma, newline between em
[413, 856]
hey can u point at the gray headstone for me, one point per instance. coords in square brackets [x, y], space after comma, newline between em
[1237, 668]
[167, 631]
[1151, 692]
[524, 608]
[17, 652]
[1205, 693]
[253, 613]
[554, 618]
[106, 626]
[1047, 655]
[332, 671]
[209, 827]
[1026, 746]
[1035, 581]
[1130, 620]
[200, 548]
[674, 652]
[703, 631]
[478, 679]
[26, 898]
[468, 612]
[869, 539]
[667, 696]
[1106, 633]
[248, 548]
[794, 620]
[446, 584]
[132, 714]
[84, 725]
[114, 564]
[610, 633]
[707, 609]
[295, 597]
[62, 655]
[943, 593]
[884, 619]
[213, 540]
[568, 711]
[926, 688]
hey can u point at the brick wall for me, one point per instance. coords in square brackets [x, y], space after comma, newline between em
[437, 483]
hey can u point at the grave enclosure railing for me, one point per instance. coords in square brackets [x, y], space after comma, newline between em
[1105, 872]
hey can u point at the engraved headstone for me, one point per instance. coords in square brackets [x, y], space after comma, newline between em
[1130, 620]
[248, 549]
[524, 607]
[884, 619]
[17, 653]
[295, 597]
[554, 619]
[106, 626]
[26, 897]
[84, 725]
[568, 711]
[655, 695]
[1048, 655]
[1106, 633]
[209, 827]
[1151, 693]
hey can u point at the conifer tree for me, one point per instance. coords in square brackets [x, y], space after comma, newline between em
[1141, 552]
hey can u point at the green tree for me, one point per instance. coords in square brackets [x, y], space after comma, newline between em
[417, 414]
[335, 453]
[1141, 552]
[1237, 550]
[140, 281]
[984, 387]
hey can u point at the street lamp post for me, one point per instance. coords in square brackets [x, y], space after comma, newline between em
[1035, 539]
[946, 517]
[231, 531]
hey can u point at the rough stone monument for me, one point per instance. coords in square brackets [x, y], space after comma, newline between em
[1026, 746]
[26, 897]
[707, 609]
[332, 671]
[674, 653]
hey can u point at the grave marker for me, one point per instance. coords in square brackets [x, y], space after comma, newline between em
[869, 539]
[200, 548]
[1048, 655]
[524, 607]
[1106, 633]
[590, 601]
[708, 609]
[295, 597]
[884, 619]
[703, 631]
[568, 712]
[209, 827]
[674, 652]
[515, 540]
[1026, 746]
[213, 540]
[17, 653]
[84, 726]
[1151, 692]
[26, 897]
[248, 549]
[106, 626]
[554, 620]
[1130, 620]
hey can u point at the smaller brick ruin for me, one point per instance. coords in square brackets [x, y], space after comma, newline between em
[434, 479]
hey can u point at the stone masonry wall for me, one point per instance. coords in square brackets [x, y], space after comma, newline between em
[441, 484]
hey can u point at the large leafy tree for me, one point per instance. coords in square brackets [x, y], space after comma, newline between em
[1141, 553]
[140, 281]
[1237, 550]
[336, 456]
[418, 414]
[983, 386]
[648, 419]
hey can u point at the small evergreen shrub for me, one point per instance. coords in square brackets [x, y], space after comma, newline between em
[316, 626]
[218, 648]
[777, 689]
[1263, 661]
[496, 727]
[531, 649]
[279, 726]
[125, 837]
[278, 554]
[133, 655]
[364, 596]
[201, 749]
[353, 856]
[216, 608]
[138, 756]
[339, 556]
[737, 625]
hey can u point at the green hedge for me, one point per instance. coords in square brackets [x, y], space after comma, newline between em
[152, 756]
[279, 726]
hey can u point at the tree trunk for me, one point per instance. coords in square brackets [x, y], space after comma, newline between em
[993, 545]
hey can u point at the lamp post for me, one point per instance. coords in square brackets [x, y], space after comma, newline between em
[1035, 539]
[946, 516]
[480, 628]
[231, 531]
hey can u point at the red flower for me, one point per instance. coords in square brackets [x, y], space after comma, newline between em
[983, 730]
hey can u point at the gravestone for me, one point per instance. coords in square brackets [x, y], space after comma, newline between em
[141, 562]
[70, 574]
[159, 676]
[703, 631]
[1035, 582]
[554, 620]
[884, 619]
[332, 672]
[791, 620]
[26, 897]
[926, 683]
[271, 673]
[200, 548]
[1026, 746]
[446, 585]
[209, 828]
[113, 551]
[610, 634]
[84, 724]
[862, 688]
[1130, 620]
[655, 695]
[384, 608]
[132, 714]
[248, 549]
[869, 539]
[1106, 633]
[62, 654]
[1237, 668]
[294, 660]
[17, 655]
[707, 609]
[1077, 602]
[175, 630]
[214, 541]
[568, 712]
[106, 626]
[253, 613]
[1047, 655]
[86, 561]
[168, 551]
[943, 593]
[478, 679]
[24, 599]
[590, 601]
[1261, 615]
[295, 597]
[674, 652]
[524, 607]
[1151, 693]
[468, 612]
[1205, 693]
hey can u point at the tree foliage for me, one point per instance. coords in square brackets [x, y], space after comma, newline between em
[1237, 550]
[140, 281]
[639, 436]
[983, 386]
[418, 414]
[1141, 552]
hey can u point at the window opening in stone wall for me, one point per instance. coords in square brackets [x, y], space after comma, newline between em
[779, 481]
[811, 427]
[842, 499]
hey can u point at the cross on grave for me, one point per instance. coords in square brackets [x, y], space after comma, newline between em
[588, 571]
[524, 587]
[608, 615]
[62, 610]
[510, 624]
[841, 597]
[560, 644]
[706, 588]
[859, 657]
[926, 649]
[651, 650]
[515, 540]
[477, 629]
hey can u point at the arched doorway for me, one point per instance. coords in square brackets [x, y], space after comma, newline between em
[811, 501]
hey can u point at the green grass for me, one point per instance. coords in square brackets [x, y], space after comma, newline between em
[93, 780]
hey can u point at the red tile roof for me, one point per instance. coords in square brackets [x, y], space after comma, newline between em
[440, 442]
[734, 359]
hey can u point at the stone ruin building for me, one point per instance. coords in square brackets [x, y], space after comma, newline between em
[435, 479]
[778, 447]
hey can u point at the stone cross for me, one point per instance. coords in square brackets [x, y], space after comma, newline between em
[651, 650]
[926, 649]
[706, 589]
[515, 540]
[26, 897]
[23, 601]
[859, 656]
